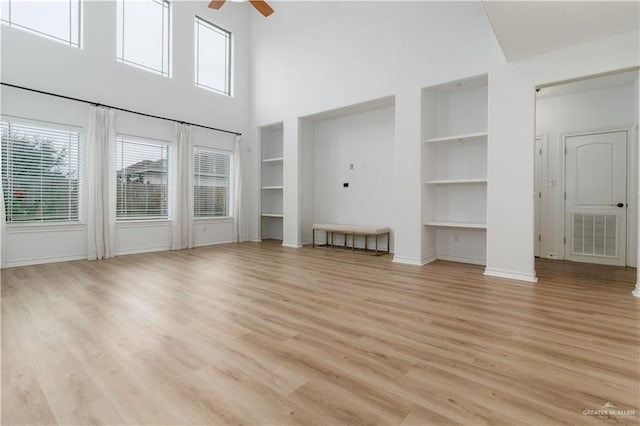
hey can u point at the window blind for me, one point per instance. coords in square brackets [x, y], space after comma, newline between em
[40, 173]
[142, 178]
[212, 170]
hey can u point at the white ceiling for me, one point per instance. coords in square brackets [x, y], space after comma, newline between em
[528, 28]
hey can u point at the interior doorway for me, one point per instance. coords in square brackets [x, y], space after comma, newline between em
[595, 207]
[586, 170]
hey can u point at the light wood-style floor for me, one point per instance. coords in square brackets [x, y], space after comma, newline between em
[260, 334]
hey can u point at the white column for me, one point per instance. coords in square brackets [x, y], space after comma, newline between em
[291, 178]
[407, 226]
[636, 290]
[510, 208]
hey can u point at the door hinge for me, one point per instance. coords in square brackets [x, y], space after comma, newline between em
[565, 150]
[540, 151]
[539, 194]
[564, 240]
[565, 196]
[539, 237]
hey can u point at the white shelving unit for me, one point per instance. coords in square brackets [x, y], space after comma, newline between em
[454, 170]
[271, 181]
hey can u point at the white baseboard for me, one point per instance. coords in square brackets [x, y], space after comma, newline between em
[413, 261]
[255, 241]
[212, 243]
[428, 259]
[470, 260]
[636, 290]
[41, 260]
[295, 245]
[511, 275]
[139, 250]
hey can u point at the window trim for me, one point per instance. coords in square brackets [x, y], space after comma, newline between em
[166, 6]
[141, 219]
[230, 212]
[9, 22]
[228, 56]
[43, 225]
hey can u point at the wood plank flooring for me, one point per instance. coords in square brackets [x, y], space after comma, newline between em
[261, 334]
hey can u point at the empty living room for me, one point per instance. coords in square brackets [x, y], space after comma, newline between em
[319, 212]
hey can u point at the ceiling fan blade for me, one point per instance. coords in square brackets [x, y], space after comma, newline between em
[262, 7]
[216, 4]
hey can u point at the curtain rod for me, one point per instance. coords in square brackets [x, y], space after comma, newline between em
[116, 108]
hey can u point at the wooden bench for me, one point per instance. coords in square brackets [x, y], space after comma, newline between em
[353, 230]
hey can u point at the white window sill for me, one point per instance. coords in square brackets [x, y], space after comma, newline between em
[142, 223]
[18, 228]
[213, 219]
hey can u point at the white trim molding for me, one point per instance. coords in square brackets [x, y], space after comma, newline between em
[413, 261]
[290, 245]
[213, 243]
[512, 275]
[636, 290]
[42, 260]
[470, 260]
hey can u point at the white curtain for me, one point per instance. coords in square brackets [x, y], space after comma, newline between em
[101, 178]
[3, 223]
[182, 190]
[239, 231]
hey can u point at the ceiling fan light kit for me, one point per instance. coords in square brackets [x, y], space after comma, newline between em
[260, 5]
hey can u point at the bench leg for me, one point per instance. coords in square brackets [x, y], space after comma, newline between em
[376, 245]
[353, 242]
[388, 244]
[313, 238]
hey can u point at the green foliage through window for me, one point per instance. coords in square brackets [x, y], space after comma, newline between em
[40, 173]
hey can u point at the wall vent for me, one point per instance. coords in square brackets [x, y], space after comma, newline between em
[595, 234]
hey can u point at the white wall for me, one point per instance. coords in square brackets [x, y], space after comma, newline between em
[312, 57]
[556, 116]
[92, 73]
[366, 141]
[510, 212]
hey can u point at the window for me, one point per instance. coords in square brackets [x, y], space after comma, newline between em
[143, 34]
[213, 57]
[57, 20]
[142, 178]
[40, 173]
[212, 172]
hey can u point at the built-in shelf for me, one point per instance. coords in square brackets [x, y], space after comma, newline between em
[454, 181]
[271, 182]
[467, 225]
[273, 160]
[469, 137]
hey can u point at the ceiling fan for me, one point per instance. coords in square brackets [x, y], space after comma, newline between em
[260, 5]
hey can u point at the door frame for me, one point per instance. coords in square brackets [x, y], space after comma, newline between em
[563, 173]
[543, 191]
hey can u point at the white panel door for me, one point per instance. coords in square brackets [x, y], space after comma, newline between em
[596, 198]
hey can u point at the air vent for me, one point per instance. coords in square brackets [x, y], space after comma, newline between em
[595, 234]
